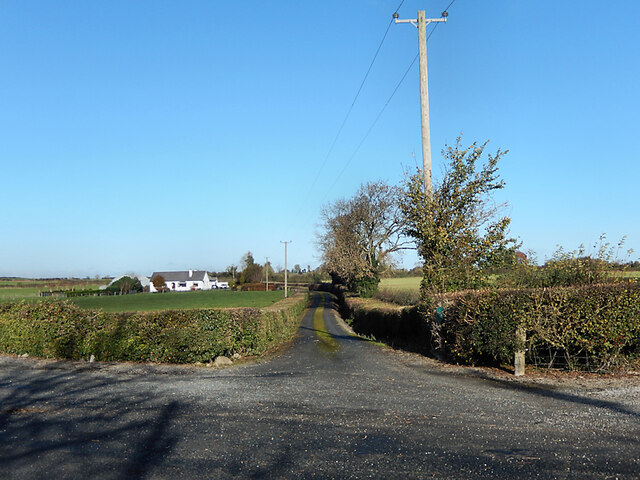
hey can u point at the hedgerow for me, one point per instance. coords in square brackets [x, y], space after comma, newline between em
[598, 322]
[60, 329]
[398, 326]
[594, 324]
[401, 327]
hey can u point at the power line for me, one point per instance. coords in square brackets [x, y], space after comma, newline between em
[432, 30]
[436, 24]
[366, 135]
[344, 121]
[449, 6]
[386, 104]
[396, 11]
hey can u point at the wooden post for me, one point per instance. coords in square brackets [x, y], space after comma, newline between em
[521, 340]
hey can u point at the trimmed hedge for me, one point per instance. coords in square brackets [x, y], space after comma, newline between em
[400, 327]
[597, 323]
[60, 329]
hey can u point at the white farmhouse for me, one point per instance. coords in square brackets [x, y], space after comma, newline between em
[183, 281]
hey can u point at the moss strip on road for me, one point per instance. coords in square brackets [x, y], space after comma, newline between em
[327, 342]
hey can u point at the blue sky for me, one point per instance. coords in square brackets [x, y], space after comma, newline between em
[156, 135]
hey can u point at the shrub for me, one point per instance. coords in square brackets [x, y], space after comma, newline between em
[457, 229]
[47, 329]
[365, 287]
[59, 329]
[599, 322]
[568, 268]
[398, 326]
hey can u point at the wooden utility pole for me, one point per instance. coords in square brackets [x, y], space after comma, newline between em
[424, 105]
[285, 267]
[421, 22]
[266, 289]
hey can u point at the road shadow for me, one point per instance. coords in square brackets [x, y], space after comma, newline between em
[80, 424]
[544, 391]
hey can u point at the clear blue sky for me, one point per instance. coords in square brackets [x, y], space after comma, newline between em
[156, 135]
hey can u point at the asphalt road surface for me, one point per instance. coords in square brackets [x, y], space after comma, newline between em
[329, 406]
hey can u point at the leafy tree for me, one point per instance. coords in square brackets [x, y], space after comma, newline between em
[125, 285]
[457, 230]
[159, 283]
[247, 260]
[267, 268]
[359, 235]
[231, 271]
[251, 272]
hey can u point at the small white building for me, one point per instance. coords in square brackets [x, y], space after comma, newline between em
[184, 281]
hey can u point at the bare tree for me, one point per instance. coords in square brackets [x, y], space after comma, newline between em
[360, 234]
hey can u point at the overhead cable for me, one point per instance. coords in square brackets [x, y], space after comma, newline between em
[344, 121]
[373, 124]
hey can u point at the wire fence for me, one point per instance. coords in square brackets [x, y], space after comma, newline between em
[554, 358]
[558, 359]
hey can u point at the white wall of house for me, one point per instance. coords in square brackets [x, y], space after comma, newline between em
[186, 285]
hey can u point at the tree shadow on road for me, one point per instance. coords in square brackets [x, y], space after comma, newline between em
[544, 391]
[79, 425]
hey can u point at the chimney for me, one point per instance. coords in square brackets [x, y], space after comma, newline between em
[190, 273]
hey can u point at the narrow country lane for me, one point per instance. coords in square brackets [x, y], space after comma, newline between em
[330, 405]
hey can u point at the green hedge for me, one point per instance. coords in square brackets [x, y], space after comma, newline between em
[60, 329]
[598, 324]
[401, 327]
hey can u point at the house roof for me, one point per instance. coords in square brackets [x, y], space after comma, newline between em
[183, 276]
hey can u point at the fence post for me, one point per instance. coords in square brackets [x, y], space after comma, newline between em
[521, 340]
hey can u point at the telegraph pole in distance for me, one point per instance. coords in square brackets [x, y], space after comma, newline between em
[285, 266]
[421, 22]
[267, 267]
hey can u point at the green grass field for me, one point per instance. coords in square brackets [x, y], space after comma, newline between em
[143, 302]
[413, 283]
[406, 283]
[17, 293]
[26, 288]
[29, 290]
